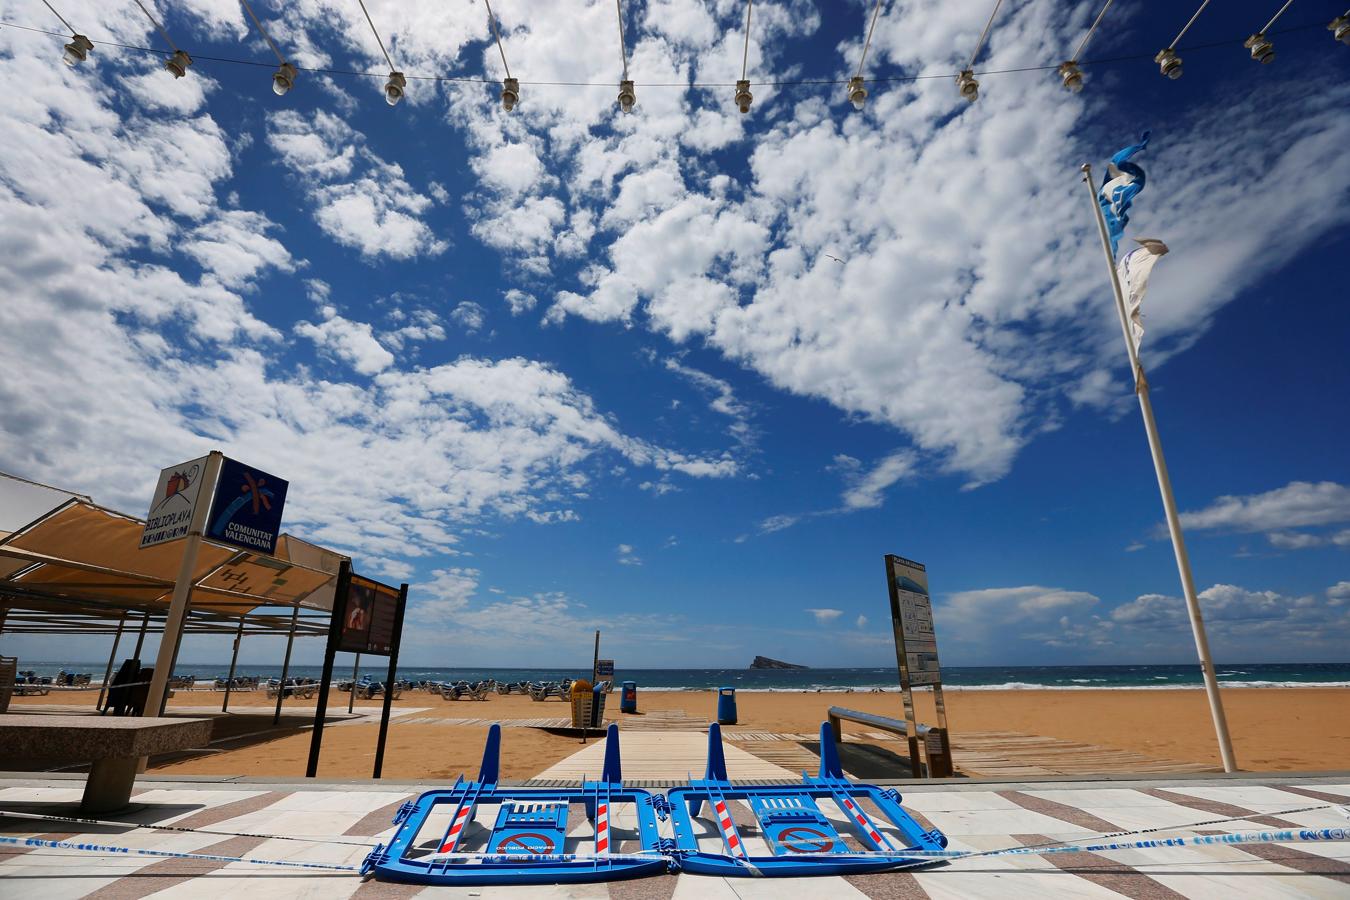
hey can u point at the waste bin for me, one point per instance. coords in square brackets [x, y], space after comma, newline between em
[628, 702]
[726, 706]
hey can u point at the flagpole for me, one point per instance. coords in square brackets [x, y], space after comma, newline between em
[1165, 488]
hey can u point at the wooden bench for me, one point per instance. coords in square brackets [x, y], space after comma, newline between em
[937, 767]
[114, 746]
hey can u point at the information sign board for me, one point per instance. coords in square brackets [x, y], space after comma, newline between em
[916, 650]
[246, 507]
[604, 668]
[176, 497]
[368, 614]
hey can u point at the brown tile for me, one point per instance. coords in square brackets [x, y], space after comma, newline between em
[1338, 799]
[888, 886]
[657, 887]
[1103, 872]
[1219, 808]
[1062, 811]
[375, 821]
[166, 873]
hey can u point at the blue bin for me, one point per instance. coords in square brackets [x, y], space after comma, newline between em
[628, 702]
[726, 706]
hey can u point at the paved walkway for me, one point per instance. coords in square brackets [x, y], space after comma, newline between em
[663, 756]
[976, 816]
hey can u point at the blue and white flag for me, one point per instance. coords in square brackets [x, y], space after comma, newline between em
[1123, 180]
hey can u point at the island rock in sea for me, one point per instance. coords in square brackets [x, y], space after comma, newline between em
[763, 662]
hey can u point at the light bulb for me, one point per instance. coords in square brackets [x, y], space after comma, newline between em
[743, 96]
[1072, 76]
[510, 94]
[1340, 29]
[1263, 51]
[393, 88]
[1168, 63]
[857, 94]
[283, 79]
[77, 51]
[178, 63]
[627, 97]
[969, 87]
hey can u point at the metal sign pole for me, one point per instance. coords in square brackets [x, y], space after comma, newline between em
[389, 680]
[182, 591]
[334, 629]
[595, 660]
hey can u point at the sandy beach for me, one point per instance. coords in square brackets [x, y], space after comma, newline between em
[1277, 729]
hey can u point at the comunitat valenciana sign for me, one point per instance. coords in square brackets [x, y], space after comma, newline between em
[246, 507]
[238, 504]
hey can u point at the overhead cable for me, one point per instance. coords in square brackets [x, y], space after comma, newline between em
[857, 94]
[69, 27]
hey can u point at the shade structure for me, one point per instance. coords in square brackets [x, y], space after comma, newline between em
[78, 560]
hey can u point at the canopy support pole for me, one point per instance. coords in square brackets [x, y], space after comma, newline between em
[234, 658]
[286, 665]
[107, 674]
[140, 638]
[351, 696]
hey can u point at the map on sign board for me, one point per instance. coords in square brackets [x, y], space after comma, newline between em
[246, 508]
[368, 615]
[176, 497]
[914, 615]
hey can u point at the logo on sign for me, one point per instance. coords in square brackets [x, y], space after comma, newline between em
[247, 508]
[175, 498]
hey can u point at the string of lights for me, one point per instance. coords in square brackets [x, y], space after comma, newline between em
[1342, 22]
[743, 96]
[966, 82]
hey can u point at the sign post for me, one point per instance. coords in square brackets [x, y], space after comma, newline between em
[367, 619]
[178, 510]
[916, 657]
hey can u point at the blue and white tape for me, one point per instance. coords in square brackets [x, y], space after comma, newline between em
[167, 854]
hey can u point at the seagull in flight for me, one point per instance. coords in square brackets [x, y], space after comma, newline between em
[835, 258]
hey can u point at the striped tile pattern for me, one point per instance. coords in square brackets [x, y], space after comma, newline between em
[975, 817]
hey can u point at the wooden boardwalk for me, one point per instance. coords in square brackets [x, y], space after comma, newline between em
[662, 756]
[1001, 754]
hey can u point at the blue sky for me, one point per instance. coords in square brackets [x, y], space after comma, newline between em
[562, 368]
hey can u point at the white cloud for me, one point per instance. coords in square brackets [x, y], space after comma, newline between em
[967, 313]
[867, 489]
[359, 199]
[825, 615]
[778, 523]
[722, 398]
[1299, 503]
[627, 556]
[861, 622]
[351, 342]
[518, 301]
[469, 316]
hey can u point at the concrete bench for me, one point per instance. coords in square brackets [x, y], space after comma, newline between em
[114, 746]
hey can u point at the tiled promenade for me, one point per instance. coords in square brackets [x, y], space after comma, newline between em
[975, 815]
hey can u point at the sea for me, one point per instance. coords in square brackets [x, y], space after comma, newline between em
[955, 678]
